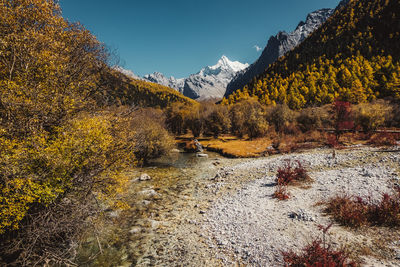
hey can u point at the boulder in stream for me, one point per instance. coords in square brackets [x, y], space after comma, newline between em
[144, 177]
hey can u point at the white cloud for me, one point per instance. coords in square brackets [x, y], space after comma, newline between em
[257, 48]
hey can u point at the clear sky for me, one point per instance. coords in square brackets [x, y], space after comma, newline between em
[179, 37]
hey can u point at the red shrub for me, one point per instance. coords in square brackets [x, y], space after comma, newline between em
[318, 254]
[281, 193]
[348, 211]
[387, 212]
[354, 211]
[342, 117]
[291, 172]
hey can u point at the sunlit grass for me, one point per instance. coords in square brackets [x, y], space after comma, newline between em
[239, 148]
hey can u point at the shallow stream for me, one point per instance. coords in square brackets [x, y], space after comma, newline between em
[142, 234]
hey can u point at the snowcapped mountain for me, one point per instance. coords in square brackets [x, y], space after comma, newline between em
[210, 82]
[279, 45]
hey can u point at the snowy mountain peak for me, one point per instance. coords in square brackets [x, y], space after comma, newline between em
[223, 65]
[209, 82]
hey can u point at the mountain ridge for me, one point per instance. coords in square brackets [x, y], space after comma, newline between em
[208, 83]
[279, 45]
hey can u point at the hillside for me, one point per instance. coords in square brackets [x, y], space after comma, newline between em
[278, 46]
[125, 90]
[354, 56]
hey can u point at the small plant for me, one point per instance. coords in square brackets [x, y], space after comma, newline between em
[281, 193]
[355, 211]
[318, 253]
[291, 172]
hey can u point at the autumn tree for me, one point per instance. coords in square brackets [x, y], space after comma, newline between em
[280, 116]
[61, 149]
[371, 116]
[248, 117]
[151, 138]
[218, 121]
[342, 117]
[176, 114]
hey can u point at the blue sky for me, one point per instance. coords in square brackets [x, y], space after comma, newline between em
[179, 37]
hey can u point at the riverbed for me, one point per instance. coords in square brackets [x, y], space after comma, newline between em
[219, 212]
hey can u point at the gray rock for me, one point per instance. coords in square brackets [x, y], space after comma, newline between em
[199, 147]
[144, 177]
[135, 230]
[114, 214]
[222, 242]
[146, 202]
[154, 224]
[201, 155]
[148, 193]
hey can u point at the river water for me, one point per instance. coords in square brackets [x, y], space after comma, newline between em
[149, 230]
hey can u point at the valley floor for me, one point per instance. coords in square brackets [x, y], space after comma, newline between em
[227, 217]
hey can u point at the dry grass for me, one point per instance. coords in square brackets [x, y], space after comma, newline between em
[234, 147]
[383, 139]
[245, 148]
[239, 148]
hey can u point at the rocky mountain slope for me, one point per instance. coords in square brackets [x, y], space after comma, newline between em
[172, 82]
[209, 83]
[279, 45]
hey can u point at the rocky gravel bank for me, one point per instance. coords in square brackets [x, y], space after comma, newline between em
[248, 226]
[221, 212]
